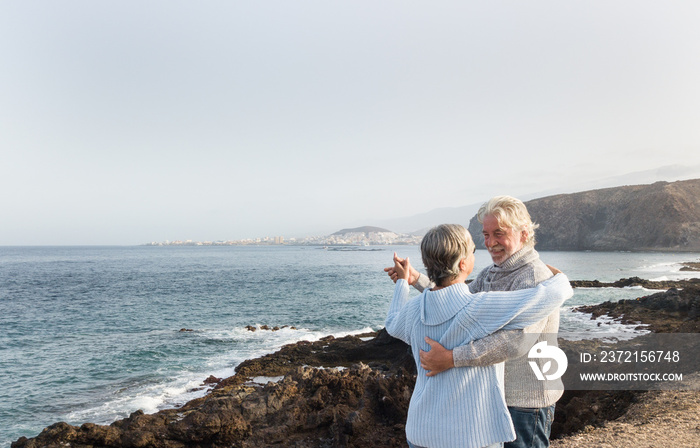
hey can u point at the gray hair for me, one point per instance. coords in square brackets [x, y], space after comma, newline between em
[510, 212]
[442, 248]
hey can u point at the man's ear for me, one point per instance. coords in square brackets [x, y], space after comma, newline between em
[523, 236]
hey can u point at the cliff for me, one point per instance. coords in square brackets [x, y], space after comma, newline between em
[658, 217]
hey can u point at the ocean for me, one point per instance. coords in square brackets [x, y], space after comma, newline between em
[92, 334]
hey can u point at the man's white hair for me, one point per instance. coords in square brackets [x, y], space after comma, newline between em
[510, 212]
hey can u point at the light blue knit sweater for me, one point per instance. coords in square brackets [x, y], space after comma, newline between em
[464, 407]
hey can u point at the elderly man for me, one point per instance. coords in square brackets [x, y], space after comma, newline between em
[509, 236]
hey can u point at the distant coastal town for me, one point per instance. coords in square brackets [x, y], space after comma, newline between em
[360, 236]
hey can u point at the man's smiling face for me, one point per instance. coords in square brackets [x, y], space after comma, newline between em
[501, 242]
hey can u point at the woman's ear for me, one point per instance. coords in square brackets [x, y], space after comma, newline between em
[463, 265]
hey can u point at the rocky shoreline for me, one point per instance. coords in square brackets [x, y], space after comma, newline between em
[615, 418]
[691, 266]
[354, 392]
[636, 281]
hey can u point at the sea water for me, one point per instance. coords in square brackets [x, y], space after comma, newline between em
[92, 334]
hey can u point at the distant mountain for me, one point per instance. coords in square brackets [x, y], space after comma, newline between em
[364, 229]
[662, 216]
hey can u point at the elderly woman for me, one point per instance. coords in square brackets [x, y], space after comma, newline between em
[462, 407]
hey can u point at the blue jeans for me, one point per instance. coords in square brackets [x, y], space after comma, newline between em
[495, 445]
[532, 427]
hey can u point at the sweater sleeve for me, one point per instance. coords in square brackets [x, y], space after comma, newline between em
[514, 309]
[396, 322]
[423, 283]
[498, 347]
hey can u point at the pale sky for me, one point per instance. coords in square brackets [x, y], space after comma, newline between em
[125, 122]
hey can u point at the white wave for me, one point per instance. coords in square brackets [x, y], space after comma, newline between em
[667, 271]
[603, 288]
[576, 325]
[660, 279]
[173, 392]
[667, 265]
[148, 398]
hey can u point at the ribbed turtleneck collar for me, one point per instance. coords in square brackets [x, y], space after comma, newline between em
[522, 257]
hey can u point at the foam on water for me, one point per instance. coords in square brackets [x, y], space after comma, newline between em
[149, 398]
[666, 271]
[173, 392]
[576, 326]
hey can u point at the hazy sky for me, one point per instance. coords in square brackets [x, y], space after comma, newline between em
[124, 122]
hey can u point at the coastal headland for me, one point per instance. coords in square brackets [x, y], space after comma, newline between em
[354, 392]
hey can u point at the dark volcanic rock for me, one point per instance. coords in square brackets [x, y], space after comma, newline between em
[691, 266]
[661, 216]
[672, 311]
[212, 380]
[636, 281]
[354, 406]
[267, 327]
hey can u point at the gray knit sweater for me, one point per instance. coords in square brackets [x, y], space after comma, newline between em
[524, 269]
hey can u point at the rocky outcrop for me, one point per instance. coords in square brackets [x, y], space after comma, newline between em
[659, 217]
[344, 392]
[636, 281]
[672, 311]
[363, 403]
[691, 266]
[308, 408]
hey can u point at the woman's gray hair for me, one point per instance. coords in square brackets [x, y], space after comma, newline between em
[442, 248]
[512, 213]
